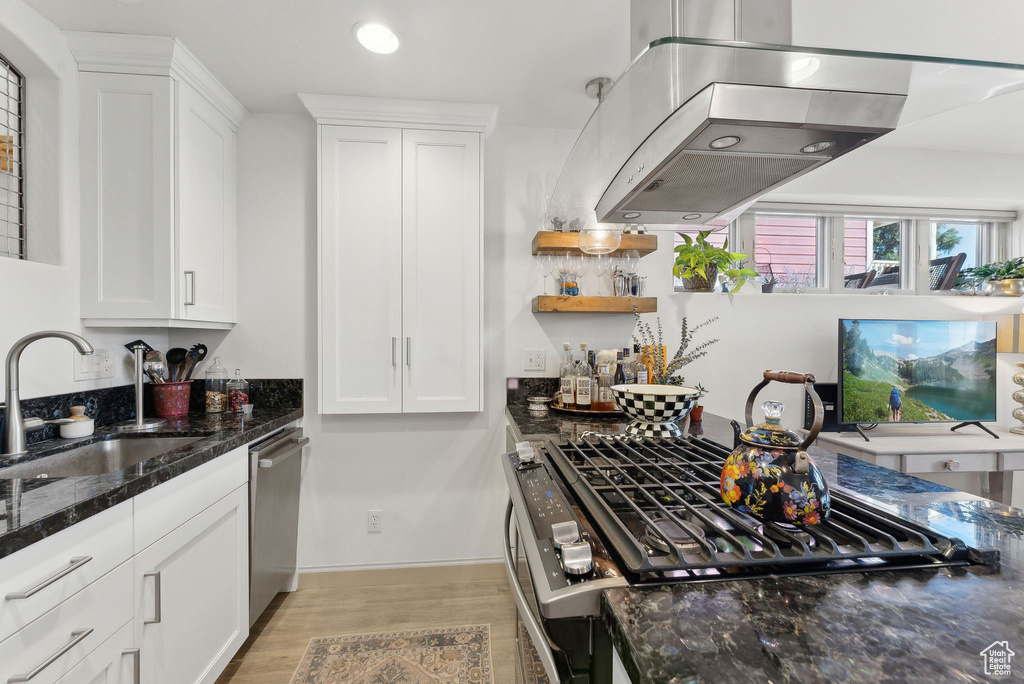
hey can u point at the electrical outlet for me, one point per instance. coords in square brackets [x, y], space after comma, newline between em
[96, 366]
[535, 360]
[374, 521]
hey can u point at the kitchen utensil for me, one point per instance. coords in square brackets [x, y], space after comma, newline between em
[175, 362]
[154, 366]
[196, 354]
[769, 474]
[655, 409]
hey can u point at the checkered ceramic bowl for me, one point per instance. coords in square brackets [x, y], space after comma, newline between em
[655, 409]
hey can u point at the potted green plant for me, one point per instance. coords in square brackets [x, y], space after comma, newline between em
[699, 263]
[999, 277]
[768, 284]
[698, 411]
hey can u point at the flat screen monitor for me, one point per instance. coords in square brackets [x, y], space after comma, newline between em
[915, 371]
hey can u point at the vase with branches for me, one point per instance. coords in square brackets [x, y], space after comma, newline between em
[665, 370]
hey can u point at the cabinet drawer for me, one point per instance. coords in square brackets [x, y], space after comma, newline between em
[37, 578]
[936, 463]
[71, 631]
[113, 662]
[163, 508]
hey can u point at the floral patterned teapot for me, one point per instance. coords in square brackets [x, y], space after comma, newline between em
[769, 474]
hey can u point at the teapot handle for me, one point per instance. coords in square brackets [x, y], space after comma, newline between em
[790, 377]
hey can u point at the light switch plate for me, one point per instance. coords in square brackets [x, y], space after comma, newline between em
[535, 360]
[96, 366]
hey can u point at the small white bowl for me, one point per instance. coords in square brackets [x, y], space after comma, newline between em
[77, 429]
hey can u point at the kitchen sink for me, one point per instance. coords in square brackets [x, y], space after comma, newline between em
[97, 458]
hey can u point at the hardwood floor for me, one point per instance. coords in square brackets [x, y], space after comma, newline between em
[280, 636]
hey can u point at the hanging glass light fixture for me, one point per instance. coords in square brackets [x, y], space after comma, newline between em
[600, 238]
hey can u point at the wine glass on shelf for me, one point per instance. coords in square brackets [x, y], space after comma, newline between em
[545, 266]
[563, 265]
[582, 267]
[631, 262]
[601, 264]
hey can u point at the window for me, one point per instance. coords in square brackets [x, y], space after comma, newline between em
[12, 170]
[873, 253]
[952, 247]
[786, 247]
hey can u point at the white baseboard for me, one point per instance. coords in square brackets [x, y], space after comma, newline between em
[375, 574]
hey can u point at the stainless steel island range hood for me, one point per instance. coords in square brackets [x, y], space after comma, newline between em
[718, 108]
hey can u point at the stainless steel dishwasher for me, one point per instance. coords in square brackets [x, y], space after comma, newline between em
[274, 467]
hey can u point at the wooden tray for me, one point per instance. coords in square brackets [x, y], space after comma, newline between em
[557, 406]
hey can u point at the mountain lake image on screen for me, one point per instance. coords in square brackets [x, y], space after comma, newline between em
[917, 371]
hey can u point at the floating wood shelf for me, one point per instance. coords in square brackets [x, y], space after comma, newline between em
[550, 242]
[560, 304]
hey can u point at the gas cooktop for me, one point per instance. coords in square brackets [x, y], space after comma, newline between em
[656, 504]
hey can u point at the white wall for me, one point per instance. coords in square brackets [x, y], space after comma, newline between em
[40, 296]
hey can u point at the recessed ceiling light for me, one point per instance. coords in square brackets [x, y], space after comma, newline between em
[691, 217]
[817, 146]
[724, 142]
[376, 37]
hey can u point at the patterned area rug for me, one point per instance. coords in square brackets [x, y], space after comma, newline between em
[454, 655]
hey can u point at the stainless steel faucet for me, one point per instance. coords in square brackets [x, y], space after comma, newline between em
[14, 429]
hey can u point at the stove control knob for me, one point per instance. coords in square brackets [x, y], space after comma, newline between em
[526, 452]
[563, 533]
[577, 559]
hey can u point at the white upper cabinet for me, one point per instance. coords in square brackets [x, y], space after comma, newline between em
[400, 252]
[159, 185]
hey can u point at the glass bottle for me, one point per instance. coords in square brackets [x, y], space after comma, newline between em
[238, 392]
[583, 386]
[216, 387]
[605, 380]
[567, 379]
[628, 368]
[642, 375]
[620, 372]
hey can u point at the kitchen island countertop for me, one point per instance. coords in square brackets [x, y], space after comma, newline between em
[33, 509]
[914, 625]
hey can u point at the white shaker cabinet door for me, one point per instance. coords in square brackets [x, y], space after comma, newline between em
[441, 279]
[127, 163]
[192, 595]
[206, 208]
[360, 269]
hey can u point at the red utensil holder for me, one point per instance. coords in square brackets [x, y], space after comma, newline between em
[171, 398]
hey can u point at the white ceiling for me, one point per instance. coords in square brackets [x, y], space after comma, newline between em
[530, 57]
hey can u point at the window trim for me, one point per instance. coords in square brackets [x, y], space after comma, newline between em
[995, 233]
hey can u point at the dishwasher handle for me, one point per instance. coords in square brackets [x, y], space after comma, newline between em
[294, 448]
[530, 621]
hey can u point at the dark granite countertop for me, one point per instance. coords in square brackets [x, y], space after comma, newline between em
[865, 627]
[32, 509]
[540, 426]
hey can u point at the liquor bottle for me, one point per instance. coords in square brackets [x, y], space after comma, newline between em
[606, 399]
[643, 371]
[628, 369]
[567, 379]
[592, 362]
[620, 372]
[583, 384]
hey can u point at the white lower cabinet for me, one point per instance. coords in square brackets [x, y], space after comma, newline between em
[115, 661]
[192, 596]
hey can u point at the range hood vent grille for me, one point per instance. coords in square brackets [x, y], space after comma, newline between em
[710, 183]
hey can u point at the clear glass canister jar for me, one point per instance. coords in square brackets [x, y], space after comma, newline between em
[238, 392]
[216, 387]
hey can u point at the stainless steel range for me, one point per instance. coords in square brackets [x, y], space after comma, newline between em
[617, 511]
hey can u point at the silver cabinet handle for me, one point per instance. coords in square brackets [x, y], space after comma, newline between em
[76, 562]
[394, 352]
[296, 448]
[136, 655]
[77, 636]
[533, 627]
[156, 603]
[190, 288]
[408, 351]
